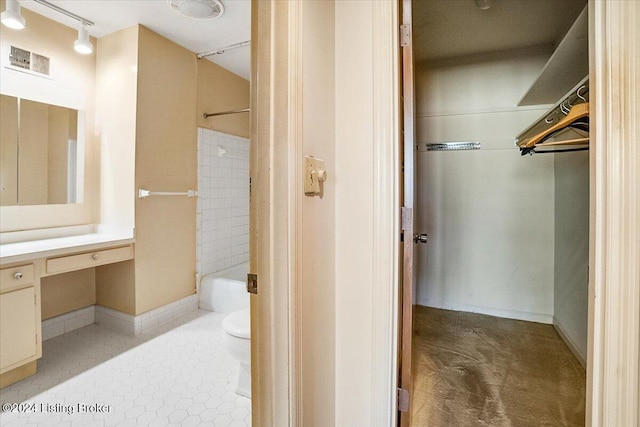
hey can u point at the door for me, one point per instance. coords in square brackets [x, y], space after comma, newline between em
[408, 198]
[18, 339]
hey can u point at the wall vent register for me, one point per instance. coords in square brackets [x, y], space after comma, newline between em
[27, 60]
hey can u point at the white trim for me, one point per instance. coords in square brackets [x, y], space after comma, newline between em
[490, 311]
[295, 202]
[569, 342]
[146, 322]
[273, 376]
[386, 209]
[613, 360]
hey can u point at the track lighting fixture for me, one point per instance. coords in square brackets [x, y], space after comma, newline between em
[83, 44]
[12, 17]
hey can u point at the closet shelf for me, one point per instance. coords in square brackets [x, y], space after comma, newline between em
[566, 67]
[569, 117]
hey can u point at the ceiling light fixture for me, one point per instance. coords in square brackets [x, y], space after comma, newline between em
[484, 4]
[12, 17]
[83, 44]
[198, 9]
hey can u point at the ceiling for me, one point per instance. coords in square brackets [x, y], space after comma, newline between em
[196, 35]
[442, 28]
[452, 28]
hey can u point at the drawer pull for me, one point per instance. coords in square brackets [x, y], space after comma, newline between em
[95, 257]
[18, 275]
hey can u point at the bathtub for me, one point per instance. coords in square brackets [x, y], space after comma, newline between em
[226, 290]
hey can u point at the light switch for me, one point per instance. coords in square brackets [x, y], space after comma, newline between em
[314, 174]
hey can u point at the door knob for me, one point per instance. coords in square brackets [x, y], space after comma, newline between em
[420, 238]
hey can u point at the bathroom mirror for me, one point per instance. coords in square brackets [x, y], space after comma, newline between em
[42, 153]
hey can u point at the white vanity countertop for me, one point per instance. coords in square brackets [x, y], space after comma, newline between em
[24, 251]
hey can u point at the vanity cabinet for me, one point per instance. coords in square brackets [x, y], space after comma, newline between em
[22, 265]
[64, 264]
[20, 327]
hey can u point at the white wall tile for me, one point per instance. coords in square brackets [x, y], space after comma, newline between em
[223, 201]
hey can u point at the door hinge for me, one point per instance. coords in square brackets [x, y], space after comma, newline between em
[403, 400]
[406, 219]
[405, 35]
[252, 283]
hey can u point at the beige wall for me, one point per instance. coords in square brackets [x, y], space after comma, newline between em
[149, 92]
[116, 100]
[354, 210]
[72, 85]
[221, 90]
[115, 286]
[166, 160]
[66, 292]
[116, 94]
[318, 215]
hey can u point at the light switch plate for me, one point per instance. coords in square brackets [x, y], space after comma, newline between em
[314, 173]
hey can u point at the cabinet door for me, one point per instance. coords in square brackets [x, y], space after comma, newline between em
[17, 326]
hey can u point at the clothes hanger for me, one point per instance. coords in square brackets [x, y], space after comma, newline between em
[576, 113]
[576, 118]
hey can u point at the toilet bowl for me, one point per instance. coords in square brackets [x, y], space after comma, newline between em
[237, 341]
[226, 292]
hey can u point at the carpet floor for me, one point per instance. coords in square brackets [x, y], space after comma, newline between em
[476, 370]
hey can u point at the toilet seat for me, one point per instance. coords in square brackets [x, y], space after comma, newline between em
[238, 324]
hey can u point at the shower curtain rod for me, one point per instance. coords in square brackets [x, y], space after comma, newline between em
[223, 49]
[224, 113]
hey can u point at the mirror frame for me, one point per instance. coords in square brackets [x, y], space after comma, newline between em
[30, 217]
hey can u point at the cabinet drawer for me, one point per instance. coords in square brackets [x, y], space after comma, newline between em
[16, 277]
[88, 259]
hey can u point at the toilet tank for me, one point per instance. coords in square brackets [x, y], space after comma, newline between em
[225, 291]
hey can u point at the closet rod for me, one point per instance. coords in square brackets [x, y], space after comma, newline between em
[576, 95]
[224, 113]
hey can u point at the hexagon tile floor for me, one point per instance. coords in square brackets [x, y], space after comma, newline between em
[177, 375]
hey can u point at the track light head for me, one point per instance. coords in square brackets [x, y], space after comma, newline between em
[12, 17]
[83, 44]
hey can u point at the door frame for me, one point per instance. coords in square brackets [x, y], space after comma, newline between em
[276, 87]
[614, 337]
[613, 361]
[274, 322]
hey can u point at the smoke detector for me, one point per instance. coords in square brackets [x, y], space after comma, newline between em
[198, 9]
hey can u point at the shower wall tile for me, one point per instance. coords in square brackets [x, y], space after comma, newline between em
[223, 201]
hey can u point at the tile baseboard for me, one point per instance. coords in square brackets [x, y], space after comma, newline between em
[117, 320]
[58, 325]
[136, 325]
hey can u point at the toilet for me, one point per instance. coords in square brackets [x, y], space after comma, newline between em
[224, 293]
[237, 341]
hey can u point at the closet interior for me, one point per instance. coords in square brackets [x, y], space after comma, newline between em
[502, 184]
